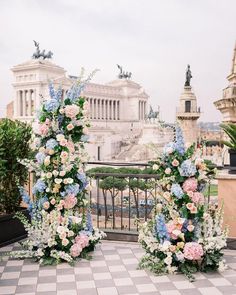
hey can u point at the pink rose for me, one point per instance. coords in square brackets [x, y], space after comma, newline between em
[70, 201]
[193, 251]
[46, 205]
[175, 163]
[82, 240]
[53, 201]
[69, 127]
[190, 185]
[167, 171]
[72, 111]
[63, 142]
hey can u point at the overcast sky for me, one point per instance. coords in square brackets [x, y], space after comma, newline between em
[154, 39]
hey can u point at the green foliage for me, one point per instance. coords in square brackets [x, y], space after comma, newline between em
[230, 130]
[14, 146]
[211, 261]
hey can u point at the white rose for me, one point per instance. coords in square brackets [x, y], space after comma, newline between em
[58, 180]
[55, 173]
[47, 161]
[155, 167]
[60, 137]
[49, 174]
[70, 180]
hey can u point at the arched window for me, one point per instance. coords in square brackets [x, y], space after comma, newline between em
[187, 106]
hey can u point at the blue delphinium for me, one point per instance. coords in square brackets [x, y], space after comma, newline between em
[40, 157]
[179, 140]
[176, 190]
[161, 229]
[51, 105]
[25, 197]
[89, 223]
[51, 144]
[39, 186]
[53, 93]
[187, 168]
[82, 178]
[41, 201]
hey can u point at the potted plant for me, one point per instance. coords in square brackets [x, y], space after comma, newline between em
[230, 130]
[14, 146]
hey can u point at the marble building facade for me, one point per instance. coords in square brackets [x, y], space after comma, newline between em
[117, 109]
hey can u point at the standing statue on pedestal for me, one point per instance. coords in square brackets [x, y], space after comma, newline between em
[37, 54]
[188, 77]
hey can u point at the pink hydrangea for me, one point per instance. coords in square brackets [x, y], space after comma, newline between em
[75, 250]
[190, 185]
[193, 251]
[70, 201]
[197, 198]
[82, 240]
[72, 111]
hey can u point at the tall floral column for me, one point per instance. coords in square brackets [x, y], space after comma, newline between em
[186, 234]
[60, 228]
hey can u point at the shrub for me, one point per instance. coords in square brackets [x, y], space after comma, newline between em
[14, 146]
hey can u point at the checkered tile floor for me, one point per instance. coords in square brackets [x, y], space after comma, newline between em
[112, 271]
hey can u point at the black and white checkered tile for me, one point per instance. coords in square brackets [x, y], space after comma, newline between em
[112, 271]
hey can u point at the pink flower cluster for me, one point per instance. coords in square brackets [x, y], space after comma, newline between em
[44, 128]
[190, 185]
[70, 201]
[174, 229]
[81, 242]
[193, 251]
[72, 111]
[196, 197]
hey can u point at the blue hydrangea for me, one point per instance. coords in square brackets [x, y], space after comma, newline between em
[82, 178]
[39, 186]
[176, 190]
[160, 228]
[73, 189]
[51, 144]
[40, 157]
[187, 168]
[179, 140]
[51, 105]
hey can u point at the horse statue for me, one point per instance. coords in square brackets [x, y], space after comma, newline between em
[123, 74]
[41, 54]
[152, 114]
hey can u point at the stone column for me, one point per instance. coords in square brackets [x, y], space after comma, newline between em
[114, 111]
[17, 105]
[30, 102]
[94, 108]
[102, 108]
[91, 108]
[118, 110]
[106, 109]
[24, 103]
[99, 108]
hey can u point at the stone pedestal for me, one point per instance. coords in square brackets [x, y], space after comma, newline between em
[227, 195]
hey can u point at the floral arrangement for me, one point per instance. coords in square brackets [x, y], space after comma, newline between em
[60, 228]
[185, 234]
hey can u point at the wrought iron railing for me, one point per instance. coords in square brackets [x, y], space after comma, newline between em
[119, 199]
